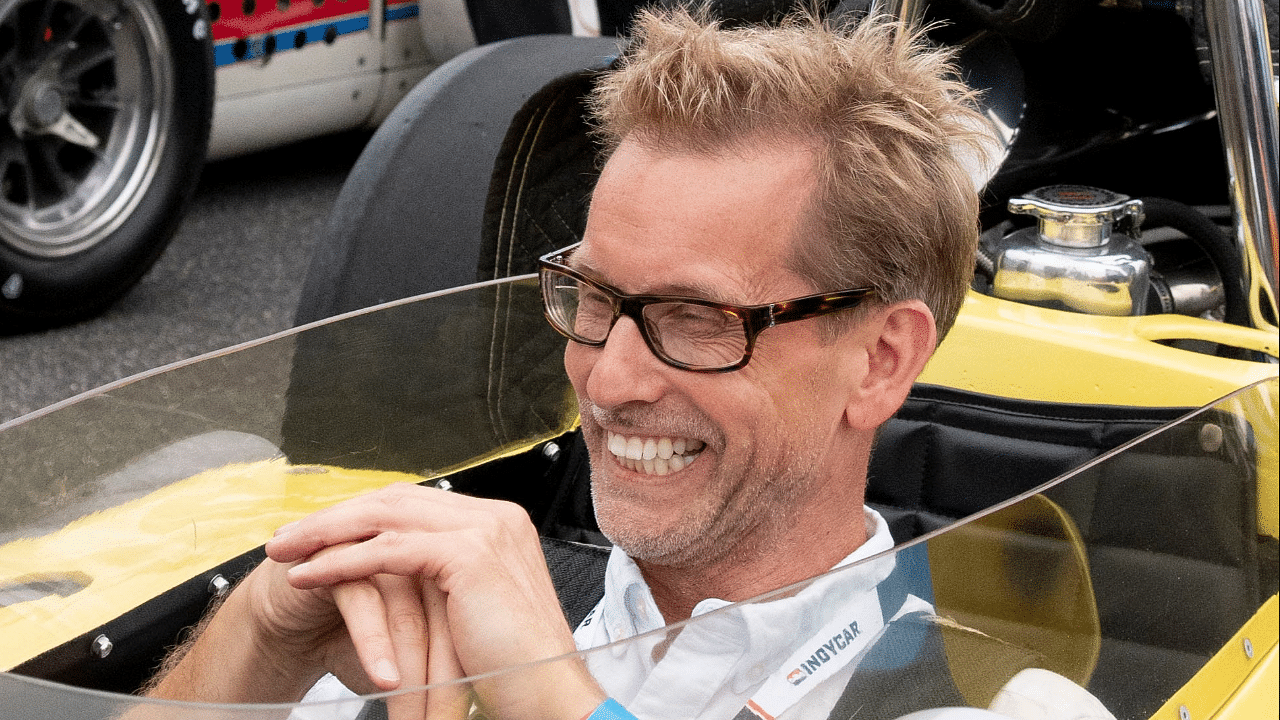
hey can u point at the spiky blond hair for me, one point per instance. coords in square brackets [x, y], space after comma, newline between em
[886, 116]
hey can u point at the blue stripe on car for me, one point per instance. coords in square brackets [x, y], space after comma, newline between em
[224, 53]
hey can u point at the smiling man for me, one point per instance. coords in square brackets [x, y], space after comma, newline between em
[783, 231]
[780, 432]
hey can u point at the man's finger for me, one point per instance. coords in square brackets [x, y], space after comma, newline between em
[365, 615]
[451, 702]
[399, 507]
[407, 626]
[393, 553]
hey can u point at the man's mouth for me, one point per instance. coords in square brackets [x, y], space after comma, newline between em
[654, 455]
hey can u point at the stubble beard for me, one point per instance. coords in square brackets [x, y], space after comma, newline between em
[617, 505]
[749, 504]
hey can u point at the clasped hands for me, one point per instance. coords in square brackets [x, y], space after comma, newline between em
[397, 589]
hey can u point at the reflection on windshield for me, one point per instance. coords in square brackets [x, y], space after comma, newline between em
[1124, 577]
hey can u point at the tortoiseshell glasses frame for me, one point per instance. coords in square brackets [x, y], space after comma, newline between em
[684, 332]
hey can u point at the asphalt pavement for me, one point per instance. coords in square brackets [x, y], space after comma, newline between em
[233, 273]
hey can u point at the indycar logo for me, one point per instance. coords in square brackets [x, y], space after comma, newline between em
[824, 654]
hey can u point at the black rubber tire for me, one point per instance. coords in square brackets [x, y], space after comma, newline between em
[142, 83]
[409, 218]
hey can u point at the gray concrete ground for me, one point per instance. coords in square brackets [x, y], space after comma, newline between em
[233, 273]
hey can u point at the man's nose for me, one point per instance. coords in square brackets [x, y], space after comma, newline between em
[625, 370]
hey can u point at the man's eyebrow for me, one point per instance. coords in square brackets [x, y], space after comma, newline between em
[581, 261]
[699, 291]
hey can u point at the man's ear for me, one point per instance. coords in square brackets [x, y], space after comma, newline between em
[897, 340]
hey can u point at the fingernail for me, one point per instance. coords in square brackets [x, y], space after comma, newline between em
[299, 569]
[387, 670]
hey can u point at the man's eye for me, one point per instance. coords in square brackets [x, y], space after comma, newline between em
[593, 301]
[696, 322]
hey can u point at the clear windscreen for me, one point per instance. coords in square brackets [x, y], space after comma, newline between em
[131, 490]
[1122, 577]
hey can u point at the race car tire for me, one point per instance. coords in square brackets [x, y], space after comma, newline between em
[410, 215]
[106, 114]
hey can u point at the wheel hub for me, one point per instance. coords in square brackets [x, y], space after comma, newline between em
[42, 105]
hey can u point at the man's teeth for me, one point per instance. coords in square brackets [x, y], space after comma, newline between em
[654, 456]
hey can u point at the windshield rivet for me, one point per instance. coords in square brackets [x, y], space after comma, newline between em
[1211, 437]
[1248, 648]
[551, 451]
[444, 485]
[1184, 713]
[219, 586]
[101, 646]
[12, 287]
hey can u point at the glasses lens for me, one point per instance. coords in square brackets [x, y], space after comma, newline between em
[696, 335]
[576, 308]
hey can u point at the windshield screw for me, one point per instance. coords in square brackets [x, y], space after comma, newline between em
[1211, 437]
[444, 485]
[219, 586]
[551, 451]
[1248, 648]
[101, 646]
[12, 287]
[1184, 713]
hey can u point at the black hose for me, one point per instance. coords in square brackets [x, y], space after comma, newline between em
[1221, 250]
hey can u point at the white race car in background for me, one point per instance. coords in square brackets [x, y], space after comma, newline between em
[113, 106]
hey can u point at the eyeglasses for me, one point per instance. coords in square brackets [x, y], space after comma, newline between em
[684, 332]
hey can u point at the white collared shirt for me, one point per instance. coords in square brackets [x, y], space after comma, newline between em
[713, 666]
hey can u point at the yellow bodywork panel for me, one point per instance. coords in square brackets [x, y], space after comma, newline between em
[1239, 682]
[1255, 699]
[1020, 351]
[143, 548]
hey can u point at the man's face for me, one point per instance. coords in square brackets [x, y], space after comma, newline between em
[739, 455]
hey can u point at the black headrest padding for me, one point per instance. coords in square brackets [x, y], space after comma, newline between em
[542, 180]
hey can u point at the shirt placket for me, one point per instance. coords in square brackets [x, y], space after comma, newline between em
[697, 665]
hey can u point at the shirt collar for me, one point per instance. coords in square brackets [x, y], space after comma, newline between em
[628, 608]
